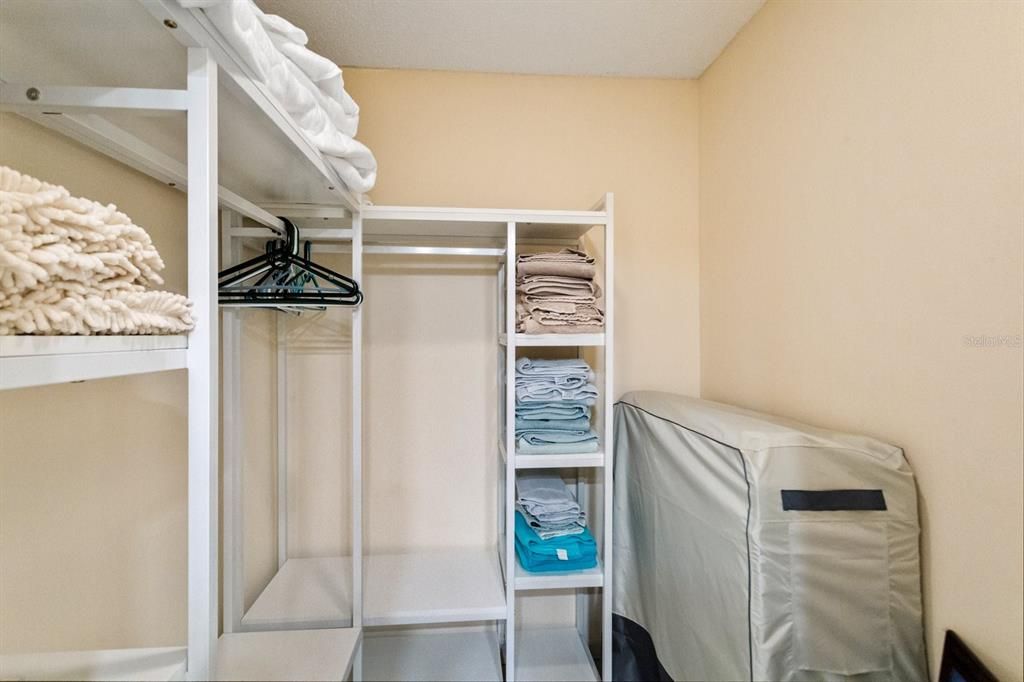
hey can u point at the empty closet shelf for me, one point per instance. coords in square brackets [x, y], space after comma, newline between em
[551, 654]
[437, 586]
[458, 655]
[305, 592]
[320, 655]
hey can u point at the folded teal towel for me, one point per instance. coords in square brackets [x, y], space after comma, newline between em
[564, 553]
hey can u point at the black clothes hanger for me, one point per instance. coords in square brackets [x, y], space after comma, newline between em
[282, 279]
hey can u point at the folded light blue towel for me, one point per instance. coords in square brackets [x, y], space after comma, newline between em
[540, 367]
[544, 489]
[548, 392]
[579, 424]
[559, 409]
[573, 525]
[556, 448]
[547, 436]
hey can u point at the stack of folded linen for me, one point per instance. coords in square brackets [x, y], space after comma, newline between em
[557, 294]
[74, 266]
[553, 399]
[551, 530]
[308, 85]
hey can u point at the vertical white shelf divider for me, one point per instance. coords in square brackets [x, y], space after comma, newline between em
[510, 449]
[357, 442]
[234, 593]
[607, 474]
[281, 501]
[202, 357]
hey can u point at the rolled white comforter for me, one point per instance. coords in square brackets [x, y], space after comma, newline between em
[74, 266]
[308, 85]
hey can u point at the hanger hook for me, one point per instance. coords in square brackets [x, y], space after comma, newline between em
[291, 237]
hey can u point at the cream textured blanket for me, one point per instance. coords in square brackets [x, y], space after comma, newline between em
[74, 266]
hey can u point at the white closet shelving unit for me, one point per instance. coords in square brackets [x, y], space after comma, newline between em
[88, 69]
[449, 588]
[153, 86]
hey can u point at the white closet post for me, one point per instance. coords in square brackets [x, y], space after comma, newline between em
[607, 473]
[281, 327]
[202, 356]
[357, 443]
[510, 451]
[357, 426]
[234, 594]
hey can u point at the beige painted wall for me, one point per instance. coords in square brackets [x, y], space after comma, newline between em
[462, 139]
[862, 204]
[93, 475]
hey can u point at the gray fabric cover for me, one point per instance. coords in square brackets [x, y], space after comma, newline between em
[729, 585]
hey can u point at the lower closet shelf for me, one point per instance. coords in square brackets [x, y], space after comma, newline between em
[437, 586]
[305, 592]
[151, 665]
[424, 655]
[549, 655]
[588, 577]
[287, 655]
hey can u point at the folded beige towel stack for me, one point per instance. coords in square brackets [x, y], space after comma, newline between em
[556, 294]
[74, 266]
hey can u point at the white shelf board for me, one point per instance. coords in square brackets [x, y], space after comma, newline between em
[426, 656]
[264, 157]
[583, 460]
[552, 655]
[590, 577]
[287, 655]
[304, 593]
[164, 663]
[39, 360]
[441, 222]
[553, 340]
[437, 586]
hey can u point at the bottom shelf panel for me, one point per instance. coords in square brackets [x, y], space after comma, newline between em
[160, 664]
[557, 580]
[423, 655]
[305, 592]
[437, 586]
[287, 655]
[550, 655]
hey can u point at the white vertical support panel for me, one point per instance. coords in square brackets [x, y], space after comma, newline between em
[203, 383]
[499, 380]
[510, 451]
[231, 355]
[608, 471]
[357, 425]
[357, 443]
[281, 327]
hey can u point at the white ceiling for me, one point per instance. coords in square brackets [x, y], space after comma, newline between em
[654, 38]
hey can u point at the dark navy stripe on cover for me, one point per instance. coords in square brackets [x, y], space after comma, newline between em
[833, 500]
